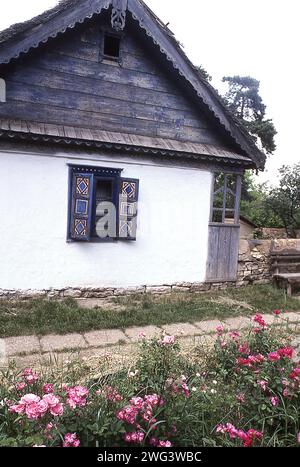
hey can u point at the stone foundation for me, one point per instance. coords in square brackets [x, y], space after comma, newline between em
[109, 292]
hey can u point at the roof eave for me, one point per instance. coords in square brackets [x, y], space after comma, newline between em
[19, 137]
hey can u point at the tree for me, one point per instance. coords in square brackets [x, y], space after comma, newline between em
[285, 199]
[203, 73]
[245, 103]
[275, 206]
[254, 205]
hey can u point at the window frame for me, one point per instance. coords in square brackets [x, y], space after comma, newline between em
[104, 173]
[102, 56]
[237, 199]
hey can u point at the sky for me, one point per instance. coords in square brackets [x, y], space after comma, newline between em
[259, 38]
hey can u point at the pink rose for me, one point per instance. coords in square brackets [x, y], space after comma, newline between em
[48, 388]
[263, 384]
[137, 402]
[42, 407]
[77, 396]
[286, 352]
[274, 401]
[32, 411]
[31, 379]
[51, 400]
[168, 340]
[30, 398]
[244, 348]
[295, 374]
[57, 410]
[273, 357]
[20, 386]
[17, 408]
[234, 335]
[71, 441]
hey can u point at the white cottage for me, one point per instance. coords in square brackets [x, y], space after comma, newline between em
[119, 163]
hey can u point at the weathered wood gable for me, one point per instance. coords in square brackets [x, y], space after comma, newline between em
[67, 82]
[56, 81]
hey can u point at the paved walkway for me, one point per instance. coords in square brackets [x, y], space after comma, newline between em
[25, 350]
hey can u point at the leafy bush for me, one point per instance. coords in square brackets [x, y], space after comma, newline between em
[245, 391]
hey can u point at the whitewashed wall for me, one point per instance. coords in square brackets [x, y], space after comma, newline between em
[172, 233]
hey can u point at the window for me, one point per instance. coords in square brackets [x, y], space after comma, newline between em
[111, 46]
[102, 205]
[226, 198]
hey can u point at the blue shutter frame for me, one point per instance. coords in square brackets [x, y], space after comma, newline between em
[128, 208]
[80, 206]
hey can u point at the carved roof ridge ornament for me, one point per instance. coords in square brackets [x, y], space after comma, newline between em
[118, 14]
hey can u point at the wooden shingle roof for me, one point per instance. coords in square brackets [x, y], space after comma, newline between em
[50, 133]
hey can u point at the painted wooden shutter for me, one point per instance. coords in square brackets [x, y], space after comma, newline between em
[81, 206]
[128, 203]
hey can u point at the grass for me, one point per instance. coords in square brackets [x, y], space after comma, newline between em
[42, 317]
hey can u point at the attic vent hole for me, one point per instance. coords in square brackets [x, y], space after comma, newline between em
[111, 46]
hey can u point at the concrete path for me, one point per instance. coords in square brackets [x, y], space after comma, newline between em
[26, 350]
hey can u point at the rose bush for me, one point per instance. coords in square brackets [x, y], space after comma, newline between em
[245, 391]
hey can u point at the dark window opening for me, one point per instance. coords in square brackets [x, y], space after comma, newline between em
[111, 46]
[104, 200]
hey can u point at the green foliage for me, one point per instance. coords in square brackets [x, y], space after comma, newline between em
[244, 101]
[169, 398]
[243, 97]
[27, 317]
[284, 201]
[157, 363]
[204, 73]
[269, 397]
[255, 206]
[274, 206]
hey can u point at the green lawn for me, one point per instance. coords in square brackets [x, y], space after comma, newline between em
[44, 316]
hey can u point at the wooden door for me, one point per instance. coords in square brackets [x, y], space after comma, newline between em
[224, 228]
[223, 247]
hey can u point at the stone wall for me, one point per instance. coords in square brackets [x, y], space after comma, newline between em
[254, 262]
[273, 233]
[255, 259]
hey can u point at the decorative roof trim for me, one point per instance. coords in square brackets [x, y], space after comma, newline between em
[118, 14]
[94, 7]
[132, 149]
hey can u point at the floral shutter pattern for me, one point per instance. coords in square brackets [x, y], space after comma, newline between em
[81, 206]
[128, 203]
